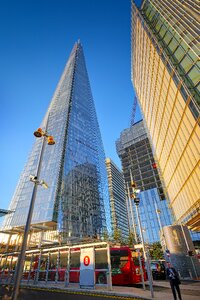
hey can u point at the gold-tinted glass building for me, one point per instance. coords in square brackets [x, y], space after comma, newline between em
[166, 78]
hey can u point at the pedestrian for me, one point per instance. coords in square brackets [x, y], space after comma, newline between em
[174, 280]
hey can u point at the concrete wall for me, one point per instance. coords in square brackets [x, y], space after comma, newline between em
[178, 242]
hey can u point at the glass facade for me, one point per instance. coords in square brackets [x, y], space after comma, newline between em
[77, 201]
[134, 150]
[165, 75]
[149, 203]
[180, 41]
[119, 216]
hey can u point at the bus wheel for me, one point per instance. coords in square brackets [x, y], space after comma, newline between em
[101, 279]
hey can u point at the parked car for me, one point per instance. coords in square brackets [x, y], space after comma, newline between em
[158, 269]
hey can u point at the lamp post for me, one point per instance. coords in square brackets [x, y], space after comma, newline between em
[146, 257]
[135, 192]
[135, 233]
[33, 178]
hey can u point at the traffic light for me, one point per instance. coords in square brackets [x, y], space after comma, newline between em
[133, 184]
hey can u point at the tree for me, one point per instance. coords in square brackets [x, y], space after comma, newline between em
[132, 239]
[105, 236]
[117, 235]
[156, 251]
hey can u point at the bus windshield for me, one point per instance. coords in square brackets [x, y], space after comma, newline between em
[119, 260]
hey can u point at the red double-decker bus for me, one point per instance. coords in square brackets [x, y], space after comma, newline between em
[63, 265]
[125, 267]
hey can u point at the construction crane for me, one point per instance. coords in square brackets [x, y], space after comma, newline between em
[133, 113]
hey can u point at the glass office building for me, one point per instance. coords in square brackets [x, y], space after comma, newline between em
[166, 78]
[135, 153]
[118, 207]
[77, 202]
[154, 214]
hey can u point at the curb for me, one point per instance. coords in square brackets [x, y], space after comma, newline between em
[106, 294]
[94, 293]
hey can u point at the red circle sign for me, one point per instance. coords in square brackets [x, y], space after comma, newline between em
[86, 260]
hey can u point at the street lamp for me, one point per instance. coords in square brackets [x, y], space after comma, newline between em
[39, 133]
[134, 231]
[137, 202]
[33, 178]
[134, 195]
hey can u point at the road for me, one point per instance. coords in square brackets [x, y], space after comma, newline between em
[41, 294]
[189, 290]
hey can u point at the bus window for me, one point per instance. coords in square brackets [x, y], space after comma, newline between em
[101, 263]
[135, 258]
[63, 265]
[27, 266]
[74, 266]
[119, 259]
[43, 265]
[63, 259]
[101, 260]
[75, 259]
[53, 260]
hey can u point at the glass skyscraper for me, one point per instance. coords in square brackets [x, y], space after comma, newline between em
[154, 214]
[166, 78]
[118, 207]
[76, 203]
[135, 153]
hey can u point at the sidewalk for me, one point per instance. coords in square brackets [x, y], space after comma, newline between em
[162, 291]
[190, 290]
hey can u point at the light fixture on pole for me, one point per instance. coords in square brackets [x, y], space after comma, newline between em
[137, 202]
[134, 194]
[129, 200]
[33, 178]
[38, 182]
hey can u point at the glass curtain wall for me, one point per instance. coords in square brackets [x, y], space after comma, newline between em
[76, 202]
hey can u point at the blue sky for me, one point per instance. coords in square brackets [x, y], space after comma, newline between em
[36, 39]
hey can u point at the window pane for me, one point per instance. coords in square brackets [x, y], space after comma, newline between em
[194, 75]
[179, 53]
[163, 30]
[167, 37]
[173, 44]
[186, 63]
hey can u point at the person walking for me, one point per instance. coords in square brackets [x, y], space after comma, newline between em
[174, 280]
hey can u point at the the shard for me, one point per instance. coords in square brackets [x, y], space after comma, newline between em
[76, 203]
